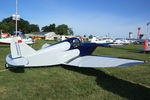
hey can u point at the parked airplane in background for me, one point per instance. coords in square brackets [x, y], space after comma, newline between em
[146, 45]
[102, 41]
[9, 39]
[70, 52]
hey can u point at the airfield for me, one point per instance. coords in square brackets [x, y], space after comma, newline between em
[74, 83]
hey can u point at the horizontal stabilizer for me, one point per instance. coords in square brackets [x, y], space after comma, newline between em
[102, 61]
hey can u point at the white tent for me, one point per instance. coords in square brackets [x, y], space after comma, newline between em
[51, 36]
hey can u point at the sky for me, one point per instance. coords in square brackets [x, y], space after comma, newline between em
[115, 18]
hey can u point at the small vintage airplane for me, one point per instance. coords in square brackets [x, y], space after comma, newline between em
[70, 52]
[9, 39]
[6, 38]
[102, 42]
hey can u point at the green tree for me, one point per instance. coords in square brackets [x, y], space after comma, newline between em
[8, 25]
[23, 26]
[50, 28]
[91, 36]
[4, 26]
[62, 29]
[70, 31]
[45, 29]
[33, 28]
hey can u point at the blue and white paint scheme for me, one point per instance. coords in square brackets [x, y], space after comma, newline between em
[71, 52]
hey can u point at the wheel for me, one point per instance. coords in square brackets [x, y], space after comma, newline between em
[6, 66]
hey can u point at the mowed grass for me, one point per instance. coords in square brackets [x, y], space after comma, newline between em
[74, 83]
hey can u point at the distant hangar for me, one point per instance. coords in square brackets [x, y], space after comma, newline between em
[43, 35]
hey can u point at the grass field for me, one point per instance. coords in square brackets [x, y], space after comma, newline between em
[73, 83]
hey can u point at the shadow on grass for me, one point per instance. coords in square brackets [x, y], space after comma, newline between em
[132, 50]
[17, 70]
[22, 68]
[4, 46]
[112, 84]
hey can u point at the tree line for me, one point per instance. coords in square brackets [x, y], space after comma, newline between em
[7, 25]
[60, 29]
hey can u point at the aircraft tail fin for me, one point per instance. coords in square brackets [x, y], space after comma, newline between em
[20, 48]
[146, 45]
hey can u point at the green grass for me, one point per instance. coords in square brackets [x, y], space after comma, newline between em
[73, 83]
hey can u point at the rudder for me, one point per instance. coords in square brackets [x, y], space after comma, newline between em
[20, 49]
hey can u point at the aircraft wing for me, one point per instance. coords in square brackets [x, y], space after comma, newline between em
[101, 61]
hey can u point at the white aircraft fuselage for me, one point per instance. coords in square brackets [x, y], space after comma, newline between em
[71, 52]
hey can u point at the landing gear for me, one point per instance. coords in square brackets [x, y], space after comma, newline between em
[6, 66]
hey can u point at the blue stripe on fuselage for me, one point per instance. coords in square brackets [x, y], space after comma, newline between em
[85, 48]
